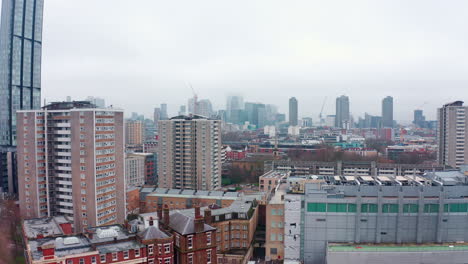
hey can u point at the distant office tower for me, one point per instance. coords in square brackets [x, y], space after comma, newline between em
[182, 110]
[452, 134]
[293, 115]
[270, 112]
[234, 105]
[306, 122]
[71, 162]
[342, 117]
[192, 105]
[156, 117]
[164, 114]
[256, 114]
[189, 155]
[20, 62]
[419, 118]
[134, 132]
[98, 102]
[204, 108]
[387, 112]
[330, 120]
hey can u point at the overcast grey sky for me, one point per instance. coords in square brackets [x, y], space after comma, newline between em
[140, 53]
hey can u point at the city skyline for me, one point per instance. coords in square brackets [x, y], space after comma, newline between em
[376, 54]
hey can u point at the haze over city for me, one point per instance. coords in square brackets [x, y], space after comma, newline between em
[140, 54]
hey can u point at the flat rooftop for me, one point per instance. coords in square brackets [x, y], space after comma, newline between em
[47, 226]
[440, 178]
[162, 192]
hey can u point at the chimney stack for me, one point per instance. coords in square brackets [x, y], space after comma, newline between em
[197, 211]
[166, 215]
[199, 221]
[159, 211]
[208, 216]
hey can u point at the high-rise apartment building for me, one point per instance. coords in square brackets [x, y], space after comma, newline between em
[452, 134]
[20, 62]
[134, 132]
[293, 114]
[71, 162]
[189, 154]
[387, 112]
[342, 117]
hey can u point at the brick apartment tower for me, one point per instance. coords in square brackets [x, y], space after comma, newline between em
[134, 132]
[71, 162]
[189, 155]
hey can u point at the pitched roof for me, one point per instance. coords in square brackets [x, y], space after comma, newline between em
[152, 232]
[184, 225]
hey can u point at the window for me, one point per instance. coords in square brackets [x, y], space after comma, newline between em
[177, 240]
[369, 208]
[390, 208]
[103, 258]
[151, 261]
[167, 261]
[336, 208]
[190, 259]
[167, 248]
[150, 250]
[208, 238]
[410, 208]
[208, 256]
[190, 242]
[431, 208]
[315, 207]
[81, 260]
[273, 237]
[125, 254]
[93, 260]
[114, 256]
[137, 253]
[70, 261]
[273, 251]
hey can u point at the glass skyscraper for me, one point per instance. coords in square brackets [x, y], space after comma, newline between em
[20, 62]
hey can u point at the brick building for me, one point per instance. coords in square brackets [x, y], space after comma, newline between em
[48, 242]
[152, 197]
[195, 241]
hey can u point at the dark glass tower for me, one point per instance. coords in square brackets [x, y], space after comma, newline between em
[293, 112]
[387, 112]
[20, 62]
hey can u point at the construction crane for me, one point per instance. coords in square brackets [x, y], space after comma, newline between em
[322, 121]
[195, 100]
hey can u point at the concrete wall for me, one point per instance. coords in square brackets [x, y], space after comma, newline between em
[451, 257]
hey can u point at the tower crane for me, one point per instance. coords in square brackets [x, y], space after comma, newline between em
[322, 121]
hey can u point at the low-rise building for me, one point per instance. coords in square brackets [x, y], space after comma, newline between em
[152, 197]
